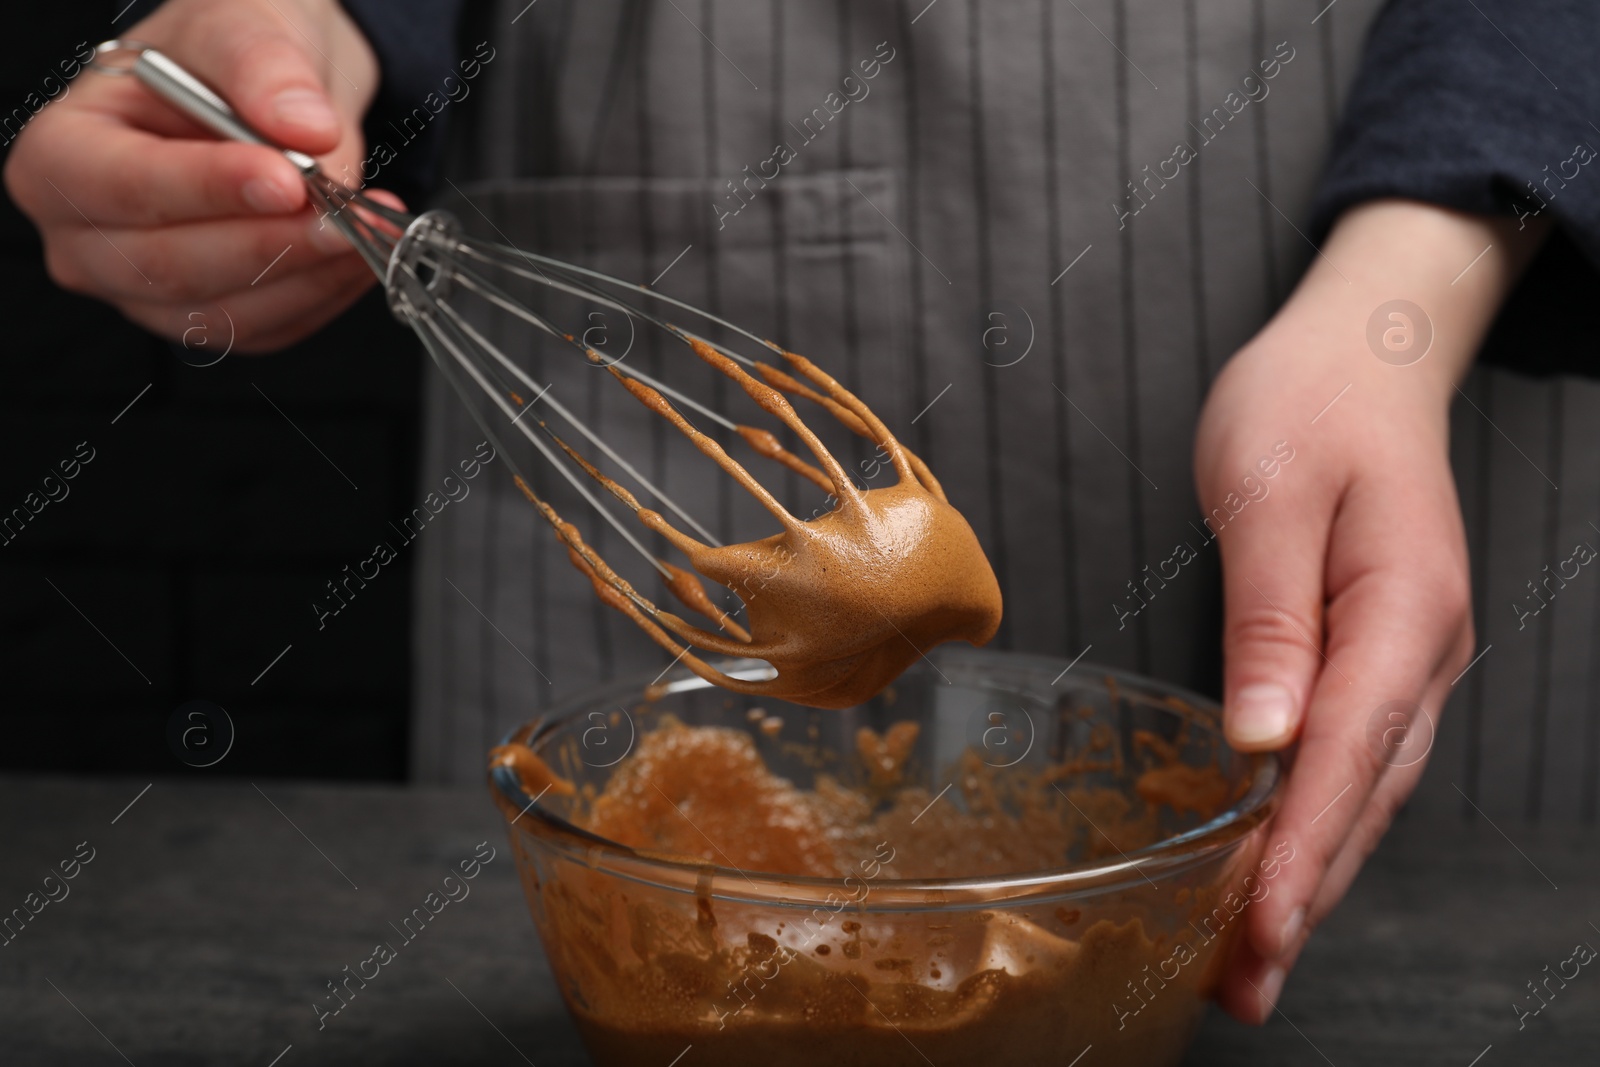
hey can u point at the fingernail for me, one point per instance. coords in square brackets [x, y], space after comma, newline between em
[267, 197]
[1271, 986]
[1291, 929]
[1260, 714]
[304, 107]
[326, 238]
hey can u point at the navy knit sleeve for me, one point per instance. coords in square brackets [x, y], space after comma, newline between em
[1480, 105]
[415, 41]
[1490, 107]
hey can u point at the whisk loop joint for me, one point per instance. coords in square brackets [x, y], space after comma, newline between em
[417, 275]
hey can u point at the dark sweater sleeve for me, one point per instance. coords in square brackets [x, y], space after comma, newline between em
[1485, 106]
[415, 42]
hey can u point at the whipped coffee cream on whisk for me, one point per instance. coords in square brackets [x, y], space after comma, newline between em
[839, 605]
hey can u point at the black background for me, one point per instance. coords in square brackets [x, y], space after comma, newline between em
[206, 524]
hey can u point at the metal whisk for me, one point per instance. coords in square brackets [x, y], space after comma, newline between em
[424, 261]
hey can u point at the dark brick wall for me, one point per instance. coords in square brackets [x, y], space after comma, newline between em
[197, 537]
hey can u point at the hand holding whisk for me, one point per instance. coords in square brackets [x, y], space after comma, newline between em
[848, 599]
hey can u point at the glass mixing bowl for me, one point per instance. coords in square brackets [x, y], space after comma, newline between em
[1107, 956]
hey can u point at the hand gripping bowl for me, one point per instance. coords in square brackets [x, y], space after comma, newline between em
[1155, 828]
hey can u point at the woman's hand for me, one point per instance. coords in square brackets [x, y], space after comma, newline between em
[1346, 584]
[141, 207]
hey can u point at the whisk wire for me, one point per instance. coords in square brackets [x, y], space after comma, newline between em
[544, 393]
[434, 334]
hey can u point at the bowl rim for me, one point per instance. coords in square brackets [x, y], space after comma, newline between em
[1168, 856]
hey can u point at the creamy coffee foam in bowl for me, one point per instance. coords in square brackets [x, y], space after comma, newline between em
[648, 973]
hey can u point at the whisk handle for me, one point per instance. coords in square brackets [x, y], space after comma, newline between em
[168, 79]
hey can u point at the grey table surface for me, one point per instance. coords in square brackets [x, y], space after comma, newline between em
[214, 912]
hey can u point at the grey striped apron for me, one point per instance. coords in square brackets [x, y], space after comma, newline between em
[994, 242]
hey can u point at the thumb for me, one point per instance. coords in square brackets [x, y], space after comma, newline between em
[1273, 563]
[267, 71]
